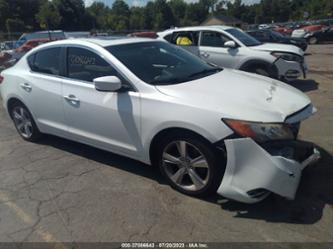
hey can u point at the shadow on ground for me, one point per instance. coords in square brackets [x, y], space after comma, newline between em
[304, 85]
[314, 193]
[104, 157]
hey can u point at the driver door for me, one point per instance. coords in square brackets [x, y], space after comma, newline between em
[212, 49]
[108, 120]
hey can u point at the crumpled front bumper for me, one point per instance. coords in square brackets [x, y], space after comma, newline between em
[253, 171]
[291, 70]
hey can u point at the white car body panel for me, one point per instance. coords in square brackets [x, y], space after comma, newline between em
[279, 47]
[266, 100]
[298, 33]
[127, 122]
[247, 160]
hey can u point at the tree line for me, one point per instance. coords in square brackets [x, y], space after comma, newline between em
[70, 15]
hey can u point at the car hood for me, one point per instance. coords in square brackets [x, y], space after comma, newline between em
[279, 48]
[239, 95]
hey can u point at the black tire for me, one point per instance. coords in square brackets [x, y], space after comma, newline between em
[216, 165]
[258, 69]
[29, 131]
[313, 40]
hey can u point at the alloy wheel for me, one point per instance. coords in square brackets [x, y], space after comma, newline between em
[23, 121]
[185, 165]
[313, 40]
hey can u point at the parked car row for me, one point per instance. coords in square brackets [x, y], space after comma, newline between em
[209, 129]
[9, 57]
[312, 34]
[267, 35]
[289, 27]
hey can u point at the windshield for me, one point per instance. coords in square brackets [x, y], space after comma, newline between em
[277, 34]
[246, 39]
[161, 63]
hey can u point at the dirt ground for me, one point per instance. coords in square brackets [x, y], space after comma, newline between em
[58, 190]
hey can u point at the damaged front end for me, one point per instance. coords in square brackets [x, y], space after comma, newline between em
[257, 166]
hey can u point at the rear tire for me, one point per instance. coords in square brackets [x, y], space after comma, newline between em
[24, 122]
[190, 164]
[313, 40]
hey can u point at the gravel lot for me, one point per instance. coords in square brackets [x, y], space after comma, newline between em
[58, 190]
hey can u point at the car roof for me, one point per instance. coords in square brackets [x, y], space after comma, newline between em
[103, 41]
[195, 28]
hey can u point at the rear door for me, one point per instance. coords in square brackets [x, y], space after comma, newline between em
[212, 49]
[41, 90]
[188, 40]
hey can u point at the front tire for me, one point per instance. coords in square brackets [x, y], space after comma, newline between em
[24, 122]
[313, 40]
[259, 70]
[190, 164]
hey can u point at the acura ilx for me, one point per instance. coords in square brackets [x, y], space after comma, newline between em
[208, 129]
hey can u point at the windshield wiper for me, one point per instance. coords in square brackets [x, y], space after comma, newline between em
[205, 72]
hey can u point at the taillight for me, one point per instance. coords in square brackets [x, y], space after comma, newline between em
[1, 78]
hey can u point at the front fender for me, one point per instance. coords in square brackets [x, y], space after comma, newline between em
[211, 136]
[271, 67]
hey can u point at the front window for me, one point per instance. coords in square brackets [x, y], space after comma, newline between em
[161, 63]
[277, 35]
[246, 39]
[85, 65]
[213, 39]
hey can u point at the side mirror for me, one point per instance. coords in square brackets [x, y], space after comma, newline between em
[107, 84]
[230, 44]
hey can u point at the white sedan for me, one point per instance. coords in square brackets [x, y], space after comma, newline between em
[208, 129]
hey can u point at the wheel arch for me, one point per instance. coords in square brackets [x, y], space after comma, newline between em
[10, 103]
[271, 67]
[15, 99]
[165, 132]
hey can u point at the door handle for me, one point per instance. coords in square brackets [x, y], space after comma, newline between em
[72, 98]
[26, 86]
[204, 54]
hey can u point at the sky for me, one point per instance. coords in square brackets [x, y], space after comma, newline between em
[143, 2]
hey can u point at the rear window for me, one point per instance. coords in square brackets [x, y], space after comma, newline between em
[46, 61]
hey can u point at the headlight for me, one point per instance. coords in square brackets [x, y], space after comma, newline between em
[288, 56]
[261, 132]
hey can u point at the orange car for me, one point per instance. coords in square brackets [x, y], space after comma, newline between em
[147, 34]
[284, 30]
[9, 58]
[30, 45]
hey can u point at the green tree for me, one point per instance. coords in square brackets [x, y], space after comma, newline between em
[120, 8]
[120, 15]
[178, 8]
[163, 16]
[15, 25]
[137, 20]
[196, 13]
[99, 12]
[48, 16]
[4, 13]
[72, 14]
